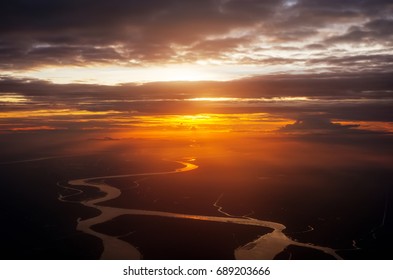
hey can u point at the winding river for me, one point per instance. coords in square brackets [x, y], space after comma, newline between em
[265, 247]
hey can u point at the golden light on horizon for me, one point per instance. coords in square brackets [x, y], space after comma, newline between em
[200, 125]
[250, 99]
[184, 73]
[213, 99]
[99, 74]
[12, 98]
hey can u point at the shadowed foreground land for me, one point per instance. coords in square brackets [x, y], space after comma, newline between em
[332, 195]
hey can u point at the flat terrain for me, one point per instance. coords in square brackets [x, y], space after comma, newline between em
[344, 205]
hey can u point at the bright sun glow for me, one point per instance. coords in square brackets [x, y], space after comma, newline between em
[12, 98]
[112, 75]
[213, 99]
[184, 74]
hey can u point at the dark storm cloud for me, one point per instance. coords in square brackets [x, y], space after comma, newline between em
[43, 32]
[326, 86]
[339, 85]
[57, 55]
[143, 29]
[317, 124]
[375, 62]
[375, 31]
[212, 47]
[316, 47]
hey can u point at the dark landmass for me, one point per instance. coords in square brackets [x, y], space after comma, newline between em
[342, 200]
[301, 253]
[36, 225]
[162, 238]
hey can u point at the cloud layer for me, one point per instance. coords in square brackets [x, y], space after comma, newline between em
[292, 59]
[358, 98]
[307, 35]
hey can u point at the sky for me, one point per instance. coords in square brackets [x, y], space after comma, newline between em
[286, 65]
[141, 41]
